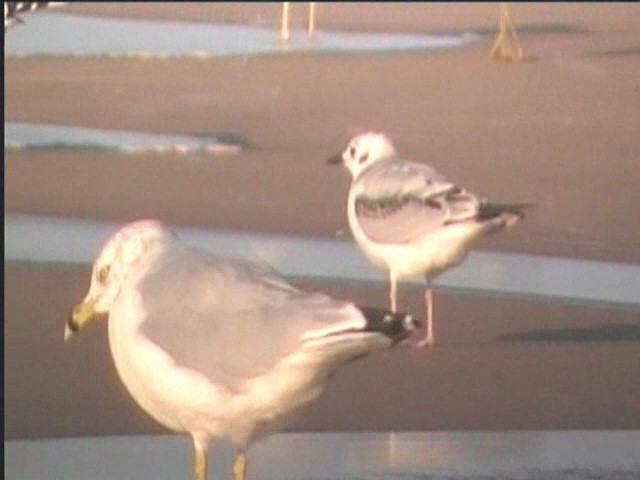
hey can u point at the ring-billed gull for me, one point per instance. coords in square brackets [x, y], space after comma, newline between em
[220, 348]
[408, 219]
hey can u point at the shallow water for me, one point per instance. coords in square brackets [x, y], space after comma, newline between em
[62, 34]
[48, 239]
[525, 455]
[20, 136]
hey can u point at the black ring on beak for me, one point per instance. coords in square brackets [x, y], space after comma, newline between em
[72, 325]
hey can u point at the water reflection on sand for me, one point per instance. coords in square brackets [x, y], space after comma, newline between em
[44, 239]
[553, 455]
[63, 34]
[20, 135]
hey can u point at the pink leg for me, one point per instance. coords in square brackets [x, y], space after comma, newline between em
[429, 340]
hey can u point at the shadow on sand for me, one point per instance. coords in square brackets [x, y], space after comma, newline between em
[619, 52]
[607, 333]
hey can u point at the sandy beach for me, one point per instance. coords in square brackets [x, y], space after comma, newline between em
[561, 131]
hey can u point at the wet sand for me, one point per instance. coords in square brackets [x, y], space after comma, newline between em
[561, 131]
[499, 364]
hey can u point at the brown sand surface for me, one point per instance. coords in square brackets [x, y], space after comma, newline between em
[561, 131]
[500, 363]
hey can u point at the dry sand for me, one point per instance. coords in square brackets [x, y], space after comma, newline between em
[562, 131]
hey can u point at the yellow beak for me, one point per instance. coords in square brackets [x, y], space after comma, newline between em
[81, 315]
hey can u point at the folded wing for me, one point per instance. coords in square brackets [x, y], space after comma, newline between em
[231, 320]
[398, 201]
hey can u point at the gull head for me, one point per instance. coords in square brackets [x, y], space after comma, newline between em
[120, 253]
[364, 150]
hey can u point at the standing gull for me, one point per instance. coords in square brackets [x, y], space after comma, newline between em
[408, 219]
[220, 348]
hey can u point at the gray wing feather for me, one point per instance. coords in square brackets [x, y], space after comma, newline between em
[229, 320]
[399, 201]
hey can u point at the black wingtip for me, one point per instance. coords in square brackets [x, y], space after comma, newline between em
[12, 11]
[396, 326]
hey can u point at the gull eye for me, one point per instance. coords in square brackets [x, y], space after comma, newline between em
[364, 158]
[103, 273]
[352, 152]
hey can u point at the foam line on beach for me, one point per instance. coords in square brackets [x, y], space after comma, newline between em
[74, 35]
[29, 136]
[35, 238]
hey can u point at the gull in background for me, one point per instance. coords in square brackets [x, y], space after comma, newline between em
[13, 9]
[220, 348]
[285, 32]
[408, 219]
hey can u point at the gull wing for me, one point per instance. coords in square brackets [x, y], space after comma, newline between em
[398, 201]
[232, 320]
